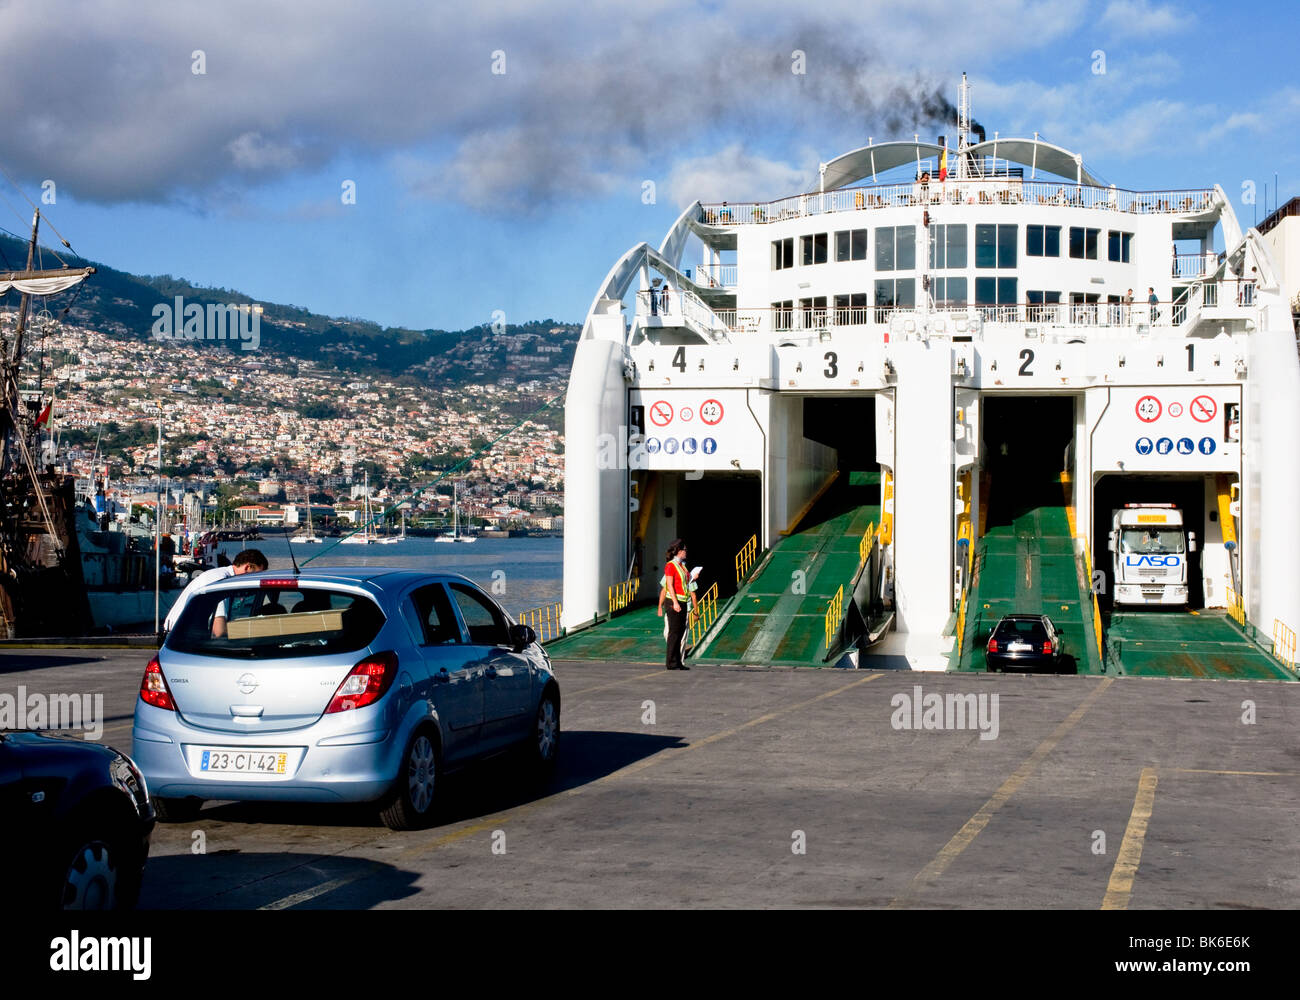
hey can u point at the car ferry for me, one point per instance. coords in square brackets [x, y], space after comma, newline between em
[888, 411]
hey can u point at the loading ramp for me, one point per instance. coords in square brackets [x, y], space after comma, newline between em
[1169, 643]
[779, 616]
[1027, 562]
[632, 636]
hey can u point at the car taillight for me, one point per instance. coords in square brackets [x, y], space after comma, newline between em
[1047, 646]
[365, 683]
[993, 645]
[153, 687]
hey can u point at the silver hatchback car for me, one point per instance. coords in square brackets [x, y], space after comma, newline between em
[347, 685]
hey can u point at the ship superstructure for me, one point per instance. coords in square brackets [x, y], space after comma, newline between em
[988, 355]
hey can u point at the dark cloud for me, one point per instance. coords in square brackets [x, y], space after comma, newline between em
[105, 101]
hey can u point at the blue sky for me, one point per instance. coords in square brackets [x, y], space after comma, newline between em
[517, 189]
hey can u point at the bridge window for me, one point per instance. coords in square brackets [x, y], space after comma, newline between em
[813, 248]
[895, 248]
[851, 244]
[995, 246]
[1119, 246]
[897, 294]
[1042, 305]
[1042, 241]
[783, 253]
[995, 291]
[949, 292]
[782, 314]
[814, 312]
[1083, 243]
[851, 309]
[948, 247]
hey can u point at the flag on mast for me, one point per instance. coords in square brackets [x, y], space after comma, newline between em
[943, 162]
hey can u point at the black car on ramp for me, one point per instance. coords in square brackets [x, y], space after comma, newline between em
[1024, 642]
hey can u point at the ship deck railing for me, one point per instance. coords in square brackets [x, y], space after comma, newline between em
[683, 307]
[995, 191]
[1101, 319]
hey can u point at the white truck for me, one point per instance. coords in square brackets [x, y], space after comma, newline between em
[1150, 549]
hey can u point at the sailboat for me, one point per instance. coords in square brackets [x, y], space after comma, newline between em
[455, 535]
[365, 537]
[394, 539]
[309, 538]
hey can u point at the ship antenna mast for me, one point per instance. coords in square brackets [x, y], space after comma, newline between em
[963, 126]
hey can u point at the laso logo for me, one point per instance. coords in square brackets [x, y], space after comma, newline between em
[1153, 561]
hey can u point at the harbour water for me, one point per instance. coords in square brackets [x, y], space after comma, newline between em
[521, 573]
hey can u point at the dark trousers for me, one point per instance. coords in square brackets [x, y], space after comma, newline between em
[676, 629]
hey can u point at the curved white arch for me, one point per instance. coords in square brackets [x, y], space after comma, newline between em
[620, 277]
[867, 161]
[674, 241]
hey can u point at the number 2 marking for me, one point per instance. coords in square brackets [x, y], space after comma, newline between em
[1027, 356]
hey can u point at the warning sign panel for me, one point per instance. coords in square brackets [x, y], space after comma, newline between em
[1149, 409]
[1204, 408]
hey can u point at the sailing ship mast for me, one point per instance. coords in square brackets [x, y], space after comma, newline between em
[27, 507]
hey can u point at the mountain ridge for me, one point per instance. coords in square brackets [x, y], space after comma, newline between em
[121, 305]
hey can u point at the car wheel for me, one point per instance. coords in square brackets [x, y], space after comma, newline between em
[410, 805]
[177, 810]
[544, 744]
[95, 874]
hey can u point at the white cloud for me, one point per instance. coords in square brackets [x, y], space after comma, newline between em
[733, 174]
[1140, 18]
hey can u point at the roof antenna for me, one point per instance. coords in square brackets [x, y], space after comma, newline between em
[288, 541]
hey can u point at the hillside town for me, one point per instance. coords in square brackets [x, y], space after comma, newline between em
[254, 438]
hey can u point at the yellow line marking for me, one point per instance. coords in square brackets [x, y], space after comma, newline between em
[625, 680]
[1130, 850]
[316, 890]
[1257, 774]
[495, 820]
[963, 837]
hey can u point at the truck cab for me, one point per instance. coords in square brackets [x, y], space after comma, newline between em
[1150, 546]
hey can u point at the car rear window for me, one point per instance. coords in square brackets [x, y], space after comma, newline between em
[1026, 630]
[266, 622]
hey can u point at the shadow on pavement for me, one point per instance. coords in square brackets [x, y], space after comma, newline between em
[483, 788]
[239, 880]
[14, 663]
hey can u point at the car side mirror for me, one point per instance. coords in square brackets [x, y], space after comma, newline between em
[521, 636]
[1110, 541]
[1191, 541]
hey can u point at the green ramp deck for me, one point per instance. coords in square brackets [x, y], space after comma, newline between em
[778, 617]
[1025, 564]
[1165, 643]
[635, 636]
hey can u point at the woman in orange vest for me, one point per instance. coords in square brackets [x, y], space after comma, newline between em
[675, 587]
